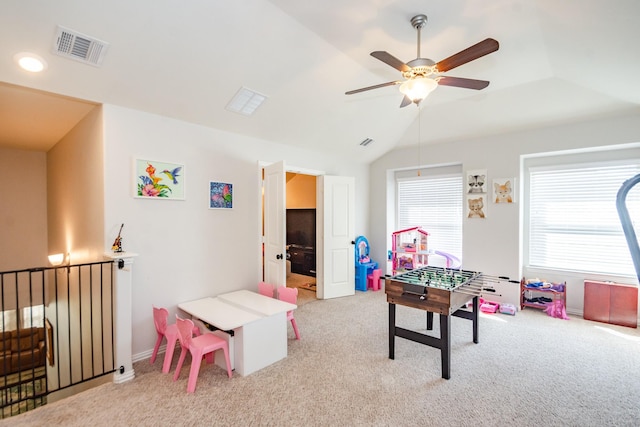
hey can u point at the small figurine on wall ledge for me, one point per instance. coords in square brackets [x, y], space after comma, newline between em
[117, 244]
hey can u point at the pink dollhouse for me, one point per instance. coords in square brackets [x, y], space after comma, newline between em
[409, 249]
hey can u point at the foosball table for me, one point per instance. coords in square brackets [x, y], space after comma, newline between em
[435, 290]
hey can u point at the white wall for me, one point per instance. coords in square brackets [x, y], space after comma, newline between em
[23, 209]
[186, 250]
[75, 182]
[492, 245]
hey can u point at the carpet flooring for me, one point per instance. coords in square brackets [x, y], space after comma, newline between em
[527, 370]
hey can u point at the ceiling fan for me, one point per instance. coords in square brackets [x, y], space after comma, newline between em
[422, 75]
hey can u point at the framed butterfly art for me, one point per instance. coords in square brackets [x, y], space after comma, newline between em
[220, 195]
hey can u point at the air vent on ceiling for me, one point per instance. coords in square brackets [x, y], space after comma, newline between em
[73, 45]
[245, 101]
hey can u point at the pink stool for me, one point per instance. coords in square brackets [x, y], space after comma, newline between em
[373, 280]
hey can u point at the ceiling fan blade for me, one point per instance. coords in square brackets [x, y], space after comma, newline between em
[389, 59]
[461, 82]
[405, 101]
[351, 92]
[476, 51]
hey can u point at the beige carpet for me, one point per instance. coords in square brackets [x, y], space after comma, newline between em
[527, 370]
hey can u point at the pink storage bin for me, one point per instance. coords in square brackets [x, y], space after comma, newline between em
[489, 307]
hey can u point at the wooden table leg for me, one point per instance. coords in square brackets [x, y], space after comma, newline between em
[445, 346]
[429, 320]
[392, 330]
[475, 319]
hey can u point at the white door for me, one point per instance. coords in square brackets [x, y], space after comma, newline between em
[335, 223]
[275, 271]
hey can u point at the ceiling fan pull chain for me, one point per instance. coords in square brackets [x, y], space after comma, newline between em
[419, 140]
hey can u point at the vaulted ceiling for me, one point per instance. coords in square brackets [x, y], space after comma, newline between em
[559, 61]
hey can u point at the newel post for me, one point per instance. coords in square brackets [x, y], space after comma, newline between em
[122, 278]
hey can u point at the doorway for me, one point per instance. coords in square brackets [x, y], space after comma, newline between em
[335, 224]
[301, 234]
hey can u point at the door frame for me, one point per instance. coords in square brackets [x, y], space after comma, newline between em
[288, 168]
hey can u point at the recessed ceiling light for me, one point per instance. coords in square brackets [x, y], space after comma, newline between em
[245, 101]
[30, 62]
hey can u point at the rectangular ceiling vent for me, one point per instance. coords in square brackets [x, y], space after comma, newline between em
[74, 45]
[246, 101]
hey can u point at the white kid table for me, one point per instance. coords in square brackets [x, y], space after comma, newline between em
[255, 327]
[256, 303]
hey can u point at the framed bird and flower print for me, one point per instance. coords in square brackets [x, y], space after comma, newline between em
[158, 180]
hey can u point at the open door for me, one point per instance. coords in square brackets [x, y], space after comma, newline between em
[275, 271]
[335, 269]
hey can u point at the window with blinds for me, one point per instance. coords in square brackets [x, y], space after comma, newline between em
[433, 203]
[27, 317]
[573, 219]
[8, 321]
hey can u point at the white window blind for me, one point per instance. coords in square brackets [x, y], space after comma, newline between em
[573, 219]
[433, 203]
[9, 320]
[33, 317]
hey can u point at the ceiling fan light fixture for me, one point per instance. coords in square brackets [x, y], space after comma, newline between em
[418, 88]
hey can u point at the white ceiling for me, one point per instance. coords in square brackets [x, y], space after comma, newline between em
[559, 61]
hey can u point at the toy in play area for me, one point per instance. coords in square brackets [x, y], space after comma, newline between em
[405, 263]
[117, 244]
[409, 251]
[508, 309]
[489, 307]
[363, 263]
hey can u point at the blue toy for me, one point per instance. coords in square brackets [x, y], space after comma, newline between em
[363, 263]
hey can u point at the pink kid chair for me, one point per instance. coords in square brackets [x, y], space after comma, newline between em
[266, 289]
[373, 280]
[203, 345]
[170, 332]
[290, 295]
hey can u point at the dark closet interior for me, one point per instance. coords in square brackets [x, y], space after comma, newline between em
[301, 240]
